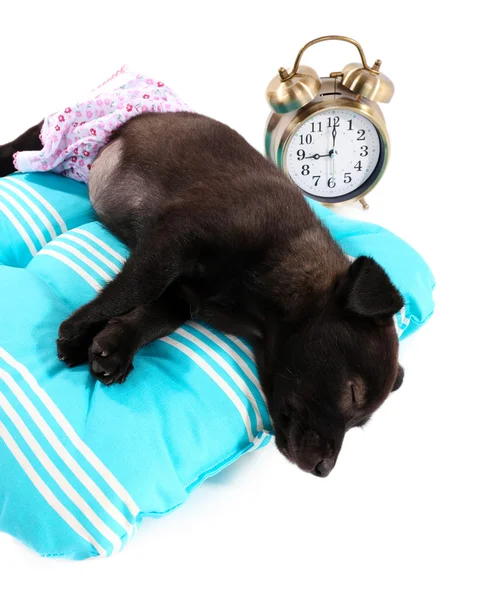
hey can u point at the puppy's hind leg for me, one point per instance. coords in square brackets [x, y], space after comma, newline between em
[29, 140]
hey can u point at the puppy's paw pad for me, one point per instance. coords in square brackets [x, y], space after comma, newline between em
[109, 368]
[96, 348]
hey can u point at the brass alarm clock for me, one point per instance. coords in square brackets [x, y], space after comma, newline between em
[328, 134]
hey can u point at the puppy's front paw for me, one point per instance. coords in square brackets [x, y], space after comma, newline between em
[73, 351]
[74, 340]
[111, 354]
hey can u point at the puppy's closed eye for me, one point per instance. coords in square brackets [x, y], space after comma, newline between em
[352, 399]
[358, 394]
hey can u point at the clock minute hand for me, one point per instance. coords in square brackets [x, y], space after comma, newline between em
[334, 152]
[334, 135]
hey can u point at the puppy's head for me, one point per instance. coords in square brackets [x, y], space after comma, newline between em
[333, 370]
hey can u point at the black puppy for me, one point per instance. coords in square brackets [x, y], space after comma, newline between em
[220, 234]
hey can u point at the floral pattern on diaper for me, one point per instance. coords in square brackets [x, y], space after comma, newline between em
[73, 137]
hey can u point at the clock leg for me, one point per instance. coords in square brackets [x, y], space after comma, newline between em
[365, 206]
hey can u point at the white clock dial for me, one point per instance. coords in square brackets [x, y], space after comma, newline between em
[333, 153]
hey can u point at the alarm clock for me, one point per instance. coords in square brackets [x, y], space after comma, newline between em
[328, 134]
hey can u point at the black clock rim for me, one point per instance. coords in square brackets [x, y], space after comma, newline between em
[362, 188]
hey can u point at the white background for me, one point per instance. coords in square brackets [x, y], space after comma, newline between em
[402, 515]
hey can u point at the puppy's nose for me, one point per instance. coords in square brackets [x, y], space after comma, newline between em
[324, 467]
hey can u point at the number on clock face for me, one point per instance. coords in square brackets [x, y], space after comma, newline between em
[333, 153]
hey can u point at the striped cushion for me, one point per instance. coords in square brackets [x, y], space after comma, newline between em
[81, 464]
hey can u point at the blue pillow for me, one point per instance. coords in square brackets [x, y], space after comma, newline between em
[82, 464]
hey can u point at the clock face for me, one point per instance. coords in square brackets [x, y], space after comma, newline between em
[334, 155]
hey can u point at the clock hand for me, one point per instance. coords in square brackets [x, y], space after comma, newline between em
[333, 152]
[317, 156]
[334, 135]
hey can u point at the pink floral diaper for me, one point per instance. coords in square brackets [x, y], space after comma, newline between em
[73, 136]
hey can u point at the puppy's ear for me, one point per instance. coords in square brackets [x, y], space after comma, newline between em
[367, 291]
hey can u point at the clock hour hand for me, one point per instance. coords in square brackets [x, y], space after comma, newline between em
[317, 156]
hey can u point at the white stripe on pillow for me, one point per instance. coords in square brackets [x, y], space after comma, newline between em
[79, 270]
[217, 340]
[58, 447]
[59, 220]
[93, 251]
[51, 468]
[46, 492]
[71, 434]
[33, 207]
[21, 210]
[15, 222]
[240, 344]
[237, 379]
[103, 245]
[225, 387]
[82, 257]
